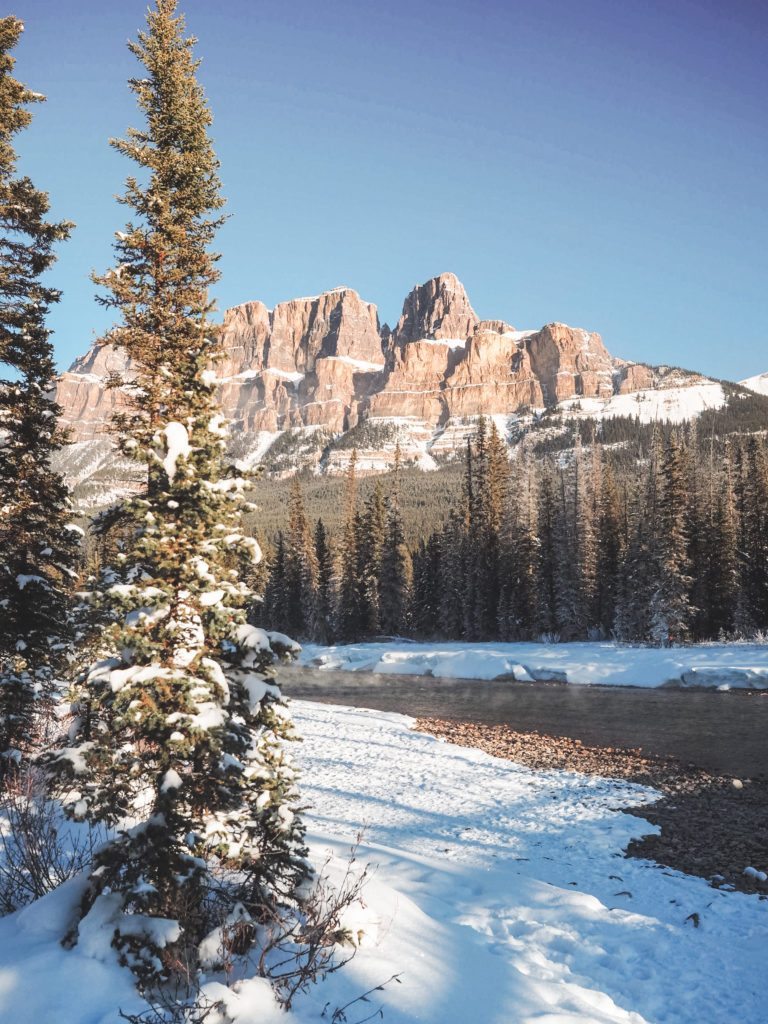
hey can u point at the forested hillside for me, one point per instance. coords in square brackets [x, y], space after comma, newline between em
[659, 538]
[427, 497]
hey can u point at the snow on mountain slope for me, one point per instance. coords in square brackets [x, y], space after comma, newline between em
[671, 405]
[324, 365]
[758, 383]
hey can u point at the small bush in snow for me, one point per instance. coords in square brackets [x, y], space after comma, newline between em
[39, 848]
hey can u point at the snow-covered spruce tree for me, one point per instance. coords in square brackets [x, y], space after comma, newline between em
[179, 741]
[36, 543]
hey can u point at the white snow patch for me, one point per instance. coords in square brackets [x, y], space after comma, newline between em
[758, 383]
[290, 375]
[177, 446]
[359, 364]
[500, 894]
[171, 780]
[520, 335]
[673, 405]
[445, 342]
[607, 664]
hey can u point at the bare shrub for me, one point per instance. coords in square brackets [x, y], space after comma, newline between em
[341, 1014]
[175, 1008]
[39, 848]
[298, 949]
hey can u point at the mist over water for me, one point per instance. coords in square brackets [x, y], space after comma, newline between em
[722, 732]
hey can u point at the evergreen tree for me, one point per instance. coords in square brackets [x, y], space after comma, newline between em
[588, 483]
[324, 599]
[453, 577]
[671, 609]
[546, 563]
[518, 560]
[349, 625]
[461, 566]
[371, 532]
[491, 487]
[611, 545]
[638, 576]
[300, 568]
[36, 542]
[427, 587]
[275, 611]
[753, 542]
[395, 576]
[720, 595]
[566, 569]
[178, 744]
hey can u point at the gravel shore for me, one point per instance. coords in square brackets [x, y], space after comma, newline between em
[711, 825]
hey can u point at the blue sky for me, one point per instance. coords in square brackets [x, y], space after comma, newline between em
[599, 163]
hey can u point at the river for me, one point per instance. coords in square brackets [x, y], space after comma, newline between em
[723, 732]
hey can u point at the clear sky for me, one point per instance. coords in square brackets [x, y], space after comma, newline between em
[602, 163]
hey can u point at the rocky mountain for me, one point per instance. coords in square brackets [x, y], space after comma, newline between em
[313, 377]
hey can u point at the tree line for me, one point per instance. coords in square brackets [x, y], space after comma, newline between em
[575, 545]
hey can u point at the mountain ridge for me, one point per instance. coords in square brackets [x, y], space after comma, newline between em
[323, 367]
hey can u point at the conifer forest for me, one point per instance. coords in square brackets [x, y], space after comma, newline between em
[578, 545]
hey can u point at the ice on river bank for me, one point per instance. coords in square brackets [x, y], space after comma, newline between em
[719, 666]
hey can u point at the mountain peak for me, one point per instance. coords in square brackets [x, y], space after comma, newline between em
[439, 308]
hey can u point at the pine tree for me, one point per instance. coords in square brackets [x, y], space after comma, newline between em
[427, 587]
[371, 532]
[638, 575]
[722, 576]
[546, 563]
[275, 610]
[491, 487]
[588, 483]
[396, 570]
[324, 600]
[518, 559]
[671, 609]
[611, 547]
[36, 542]
[349, 605]
[300, 568]
[754, 535]
[179, 740]
[453, 577]
[566, 568]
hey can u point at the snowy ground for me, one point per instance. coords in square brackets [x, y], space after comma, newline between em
[500, 896]
[607, 664]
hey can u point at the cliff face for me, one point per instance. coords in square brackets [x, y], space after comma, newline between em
[325, 362]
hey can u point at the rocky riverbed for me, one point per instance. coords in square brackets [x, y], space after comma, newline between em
[712, 825]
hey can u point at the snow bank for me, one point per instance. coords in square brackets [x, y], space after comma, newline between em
[498, 894]
[723, 666]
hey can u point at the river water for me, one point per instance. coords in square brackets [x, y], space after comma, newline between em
[722, 732]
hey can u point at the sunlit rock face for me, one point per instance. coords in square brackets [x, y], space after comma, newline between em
[325, 362]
